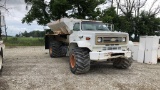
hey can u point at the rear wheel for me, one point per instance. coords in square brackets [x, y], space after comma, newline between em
[54, 49]
[57, 49]
[122, 63]
[63, 50]
[79, 61]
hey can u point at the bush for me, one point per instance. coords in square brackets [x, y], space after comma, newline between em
[24, 41]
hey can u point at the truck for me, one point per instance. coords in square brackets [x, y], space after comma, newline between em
[86, 42]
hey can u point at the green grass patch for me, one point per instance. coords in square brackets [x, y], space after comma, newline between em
[24, 41]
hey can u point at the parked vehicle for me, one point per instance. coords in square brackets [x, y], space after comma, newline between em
[2, 24]
[87, 41]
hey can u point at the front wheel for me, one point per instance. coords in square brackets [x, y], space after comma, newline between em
[79, 61]
[122, 63]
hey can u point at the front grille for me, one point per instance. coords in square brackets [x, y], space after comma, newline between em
[111, 40]
[114, 48]
[111, 48]
[112, 45]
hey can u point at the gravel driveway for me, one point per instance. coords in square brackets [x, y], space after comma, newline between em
[31, 68]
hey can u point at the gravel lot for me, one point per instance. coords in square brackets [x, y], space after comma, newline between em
[31, 68]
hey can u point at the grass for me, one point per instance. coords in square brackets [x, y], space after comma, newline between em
[24, 41]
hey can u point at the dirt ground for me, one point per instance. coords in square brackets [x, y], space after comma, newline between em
[31, 68]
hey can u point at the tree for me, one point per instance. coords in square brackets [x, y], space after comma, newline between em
[35, 33]
[135, 20]
[126, 7]
[37, 12]
[138, 5]
[83, 8]
[155, 11]
[44, 12]
[109, 15]
[17, 35]
[147, 24]
[25, 34]
[3, 5]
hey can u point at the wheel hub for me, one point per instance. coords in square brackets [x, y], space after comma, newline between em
[72, 61]
[50, 50]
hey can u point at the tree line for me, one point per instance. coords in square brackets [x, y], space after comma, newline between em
[127, 15]
[35, 33]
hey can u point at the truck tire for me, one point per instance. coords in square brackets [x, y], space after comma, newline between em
[54, 49]
[1, 62]
[122, 63]
[63, 50]
[79, 61]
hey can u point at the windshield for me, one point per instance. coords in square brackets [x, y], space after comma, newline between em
[94, 26]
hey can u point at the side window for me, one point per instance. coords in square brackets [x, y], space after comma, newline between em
[76, 27]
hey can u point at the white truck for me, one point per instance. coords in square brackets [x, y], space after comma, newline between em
[87, 41]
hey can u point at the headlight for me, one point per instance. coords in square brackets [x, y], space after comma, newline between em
[123, 39]
[99, 39]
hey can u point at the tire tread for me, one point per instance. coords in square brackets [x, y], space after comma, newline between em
[82, 61]
[122, 63]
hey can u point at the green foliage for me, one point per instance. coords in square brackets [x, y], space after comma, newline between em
[124, 24]
[37, 12]
[24, 41]
[43, 13]
[109, 15]
[35, 33]
[143, 23]
[58, 8]
[146, 24]
[83, 8]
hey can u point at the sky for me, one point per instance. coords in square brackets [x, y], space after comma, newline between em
[17, 11]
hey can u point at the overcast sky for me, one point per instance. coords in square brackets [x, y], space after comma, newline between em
[13, 18]
[17, 11]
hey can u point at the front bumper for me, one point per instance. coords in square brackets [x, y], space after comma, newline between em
[104, 55]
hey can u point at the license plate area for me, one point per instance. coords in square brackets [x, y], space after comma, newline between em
[117, 54]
